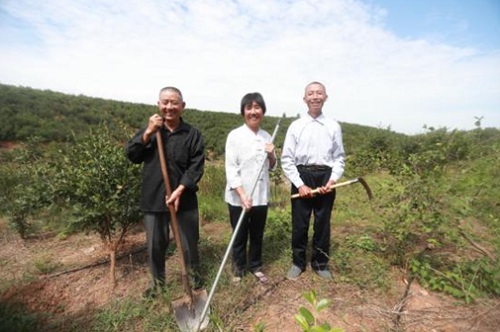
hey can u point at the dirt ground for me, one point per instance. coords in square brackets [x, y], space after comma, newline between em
[83, 287]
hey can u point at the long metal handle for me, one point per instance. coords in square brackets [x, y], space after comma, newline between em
[173, 216]
[233, 237]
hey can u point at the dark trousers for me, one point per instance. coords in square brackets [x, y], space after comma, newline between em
[157, 236]
[302, 208]
[251, 230]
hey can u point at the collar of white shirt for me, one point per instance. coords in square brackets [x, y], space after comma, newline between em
[320, 118]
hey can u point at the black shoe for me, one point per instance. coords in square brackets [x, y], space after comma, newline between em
[153, 290]
[197, 282]
[150, 293]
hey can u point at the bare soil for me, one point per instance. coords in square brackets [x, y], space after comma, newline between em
[79, 286]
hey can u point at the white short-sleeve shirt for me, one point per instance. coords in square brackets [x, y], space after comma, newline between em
[244, 157]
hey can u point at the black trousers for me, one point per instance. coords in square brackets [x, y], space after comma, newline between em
[302, 208]
[252, 231]
[157, 236]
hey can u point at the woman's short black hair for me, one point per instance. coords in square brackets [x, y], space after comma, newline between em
[249, 98]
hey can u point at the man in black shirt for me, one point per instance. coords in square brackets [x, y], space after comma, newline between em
[184, 151]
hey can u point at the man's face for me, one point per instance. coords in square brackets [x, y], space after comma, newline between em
[315, 96]
[171, 105]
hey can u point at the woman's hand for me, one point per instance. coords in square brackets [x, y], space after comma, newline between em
[269, 148]
[246, 202]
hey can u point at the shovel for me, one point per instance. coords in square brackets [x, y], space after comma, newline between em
[188, 308]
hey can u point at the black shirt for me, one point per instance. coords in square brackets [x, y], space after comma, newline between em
[184, 152]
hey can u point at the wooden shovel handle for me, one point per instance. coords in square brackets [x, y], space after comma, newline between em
[173, 214]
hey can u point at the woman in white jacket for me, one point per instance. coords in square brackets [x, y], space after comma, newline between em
[246, 148]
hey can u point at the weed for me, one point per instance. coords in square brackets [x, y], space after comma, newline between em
[46, 265]
[308, 320]
[260, 327]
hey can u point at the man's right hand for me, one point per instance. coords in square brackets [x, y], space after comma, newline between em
[305, 191]
[155, 122]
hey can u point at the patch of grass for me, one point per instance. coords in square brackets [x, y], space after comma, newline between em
[131, 315]
[17, 318]
[28, 277]
[360, 267]
[213, 209]
[45, 264]
[211, 195]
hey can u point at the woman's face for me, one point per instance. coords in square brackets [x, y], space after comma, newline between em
[253, 114]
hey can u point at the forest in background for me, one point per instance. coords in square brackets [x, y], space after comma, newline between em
[56, 117]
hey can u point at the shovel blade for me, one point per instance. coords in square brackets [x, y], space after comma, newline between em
[188, 315]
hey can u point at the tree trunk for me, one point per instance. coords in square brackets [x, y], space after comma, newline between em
[112, 268]
[113, 249]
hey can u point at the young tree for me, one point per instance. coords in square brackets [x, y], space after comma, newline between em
[100, 188]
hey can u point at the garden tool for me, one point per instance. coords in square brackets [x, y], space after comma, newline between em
[341, 184]
[187, 309]
[236, 229]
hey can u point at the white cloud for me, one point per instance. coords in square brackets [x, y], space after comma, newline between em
[218, 50]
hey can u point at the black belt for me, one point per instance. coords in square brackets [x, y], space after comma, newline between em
[314, 168]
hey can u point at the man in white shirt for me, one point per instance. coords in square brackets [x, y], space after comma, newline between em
[313, 157]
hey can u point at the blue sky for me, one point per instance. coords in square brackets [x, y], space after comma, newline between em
[389, 64]
[462, 23]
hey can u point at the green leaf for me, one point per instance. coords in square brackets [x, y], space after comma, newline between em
[322, 304]
[260, 327]
[307, 315]
[310, 297]
[326, 327]
[302, 322]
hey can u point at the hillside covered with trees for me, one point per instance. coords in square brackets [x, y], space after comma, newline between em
[49, 116]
